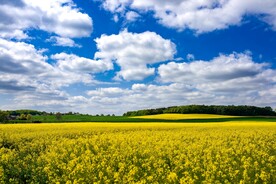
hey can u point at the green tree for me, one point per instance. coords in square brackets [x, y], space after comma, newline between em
[22, 117]
[4, 117]
[58, 116]
[29, 117]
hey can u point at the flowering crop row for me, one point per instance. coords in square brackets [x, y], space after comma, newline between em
[138, 153]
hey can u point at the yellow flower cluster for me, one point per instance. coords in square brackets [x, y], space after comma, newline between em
[138, 153]
[183, 116]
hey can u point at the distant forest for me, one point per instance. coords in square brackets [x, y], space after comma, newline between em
[25, 114]
[241, 110]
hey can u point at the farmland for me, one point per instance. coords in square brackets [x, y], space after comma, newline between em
[150, 118]
[230, 152]
[185, 116]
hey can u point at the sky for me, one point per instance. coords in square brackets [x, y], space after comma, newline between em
[114, 56]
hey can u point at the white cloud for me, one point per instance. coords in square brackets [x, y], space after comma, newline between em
[134, 52]
[222, 68]
[227, 79]
[268, 95]
[107, 92]
[55, 16]
[118, 7]
[118, 100]
[198, 15]
[9, 34]
[142, 96]
[64, 42]
[115, 6]
[254, 89]
[190, 57]
[115, 18]
[20, 57]
[74, 63]
[25, 72]
[132, 16]
[26, 75]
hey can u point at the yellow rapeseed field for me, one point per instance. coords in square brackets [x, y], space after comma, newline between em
[184, 116]
[138, 153]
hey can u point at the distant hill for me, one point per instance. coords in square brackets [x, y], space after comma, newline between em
[240, 110]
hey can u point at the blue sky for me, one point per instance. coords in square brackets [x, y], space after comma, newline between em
[111, 56]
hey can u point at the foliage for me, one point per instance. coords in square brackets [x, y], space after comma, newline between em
[58, 116]
[29, 117]
[25, 111]
[138, 153]
[22, 117]
[241, 110]
[4, 117]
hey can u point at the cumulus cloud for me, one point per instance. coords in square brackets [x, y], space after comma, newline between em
[115, 6]
[140, 96]
[60, 17]
[190, 57]
[221, 68]
[222, 80]
[268, 95]
[227, 79]
[134, 52]
[20, 57]
[226, 76]
[107, 92]
[119, 8]
[74, 63]
[25, 72]
[198, 15]
[64, 42]
[31, 82]
[132, 16]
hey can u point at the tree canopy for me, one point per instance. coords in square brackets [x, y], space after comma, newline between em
[241, 110]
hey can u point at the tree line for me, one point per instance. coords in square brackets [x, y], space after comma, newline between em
[240, 110]
[34, 116]
[6, 116]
